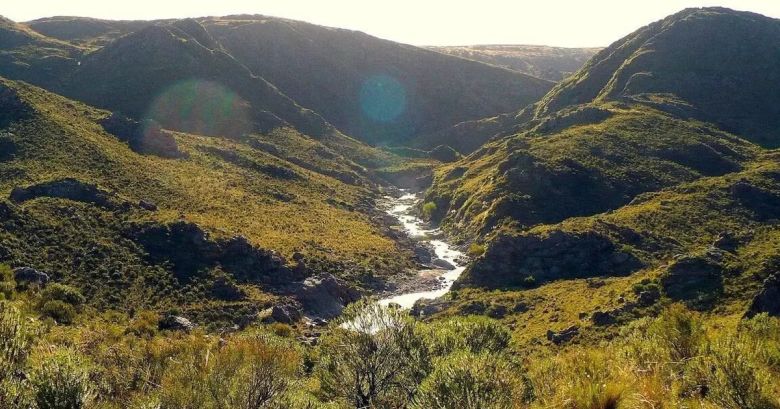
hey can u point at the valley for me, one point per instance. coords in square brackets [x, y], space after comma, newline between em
[246, 211]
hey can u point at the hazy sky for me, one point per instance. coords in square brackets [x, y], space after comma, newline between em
[572, 23]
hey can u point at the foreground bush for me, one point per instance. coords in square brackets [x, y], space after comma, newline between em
[62, 381]
[469, 381]
[376, 358]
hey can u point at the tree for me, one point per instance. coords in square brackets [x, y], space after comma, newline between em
[376, 358]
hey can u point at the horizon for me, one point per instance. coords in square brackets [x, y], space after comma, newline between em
[436, 23]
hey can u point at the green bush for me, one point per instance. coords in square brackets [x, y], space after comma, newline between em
[468, 381]
[62, 381]
[59, 311]
[733, 378]
[428, 210]
[475, 334]
[476, 250]
[64, 293]
[375, 358]
[15, 344]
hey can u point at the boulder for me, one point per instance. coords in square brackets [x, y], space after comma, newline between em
[175, 323]
[25, 276]
[726, 241]
[696, 279]
[147, 205]
[423, 254]
[443, 264]
[560, 337]
[768, 298]
[325, 295]
[288, 313]
[602, 318]
[426, 307]
[648, 297]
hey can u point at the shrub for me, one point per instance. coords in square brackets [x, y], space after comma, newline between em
[679, 332]
[64, 293]
[15, 342]
[468, 381]
[144, 324]
[281, 329]
[428, 210]
[59, 311]
[476, 250]
[475, 334]
[733, 378]
[375, 358]
[62, 381]
[250, 371]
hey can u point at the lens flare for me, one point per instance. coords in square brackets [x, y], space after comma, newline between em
[202, 107]
[382, 98]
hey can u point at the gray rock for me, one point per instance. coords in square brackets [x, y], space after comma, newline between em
[601, 318]
[25, 276]
[768, 298]
[286, 313]
[325, 295]
[147, 205]
[444, 264]
[566, 335]
[176, 323]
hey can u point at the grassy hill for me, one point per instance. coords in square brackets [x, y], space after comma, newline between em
[72, 198]
[633, 169]
[721, 62]
[387, 93]
[550, 63]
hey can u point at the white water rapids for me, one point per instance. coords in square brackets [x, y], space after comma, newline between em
[401, 208]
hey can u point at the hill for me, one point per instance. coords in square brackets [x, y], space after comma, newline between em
[143, 225]
[721, 62]
[610, 175]
[387, 93]
[28, 55]
[550, 63]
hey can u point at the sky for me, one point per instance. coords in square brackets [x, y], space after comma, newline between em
[571, 23]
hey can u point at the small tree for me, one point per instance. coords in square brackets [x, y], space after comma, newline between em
[375, 359]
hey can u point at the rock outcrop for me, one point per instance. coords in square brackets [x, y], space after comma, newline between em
[560, 337]
[191, 252]
[694, 279]
[324, 296]
[511, 259]
[768, 298]
[145, 137]
[70, 189]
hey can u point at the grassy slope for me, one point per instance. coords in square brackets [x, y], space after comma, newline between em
[534, 178]
[550, 63]
[684, 220]
[335, 65]
[315, 214]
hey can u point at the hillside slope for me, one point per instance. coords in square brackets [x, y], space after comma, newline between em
[376, 90]
[550, 63]
[614, 175]
[140, 229]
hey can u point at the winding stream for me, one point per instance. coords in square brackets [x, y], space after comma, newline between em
[401, 208]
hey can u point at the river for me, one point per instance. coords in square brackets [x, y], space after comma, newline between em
[402, 209]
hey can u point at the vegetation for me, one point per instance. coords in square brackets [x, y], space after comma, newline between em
[379, 357]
